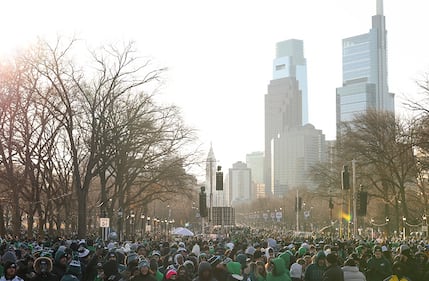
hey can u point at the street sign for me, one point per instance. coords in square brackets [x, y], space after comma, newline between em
[104, 222]
[424, 228]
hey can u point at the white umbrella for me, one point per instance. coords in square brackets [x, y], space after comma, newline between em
[182, 232]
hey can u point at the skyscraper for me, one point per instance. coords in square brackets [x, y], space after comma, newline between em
[255, 162]
[365, 73]
[291, 145]
[290, 62]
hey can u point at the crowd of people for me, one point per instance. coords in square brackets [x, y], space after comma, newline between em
[240, 256]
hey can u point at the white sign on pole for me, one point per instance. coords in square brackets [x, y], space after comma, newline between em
[105, 222]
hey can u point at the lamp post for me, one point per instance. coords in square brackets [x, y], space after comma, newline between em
[133, 225]
[404, 220]
[425, 225]
[387, 226]
[142, 226]
[148, 224]
[372, 229]
[120, 214]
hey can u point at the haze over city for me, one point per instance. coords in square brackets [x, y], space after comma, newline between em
[219, 54]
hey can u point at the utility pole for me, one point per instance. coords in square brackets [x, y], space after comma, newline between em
[211, 193]
[297, 210]
[354, 198]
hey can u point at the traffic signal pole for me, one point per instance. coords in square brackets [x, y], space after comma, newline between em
[354, 198]
[297, 210]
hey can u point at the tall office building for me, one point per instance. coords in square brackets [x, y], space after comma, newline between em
[291, 145]
[290, 62]
[365, 73]
[282, 112]
[240, 183]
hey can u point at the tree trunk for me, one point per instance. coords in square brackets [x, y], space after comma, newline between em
[82, 195]
[16, 214]
[2, 222]
[30, 223]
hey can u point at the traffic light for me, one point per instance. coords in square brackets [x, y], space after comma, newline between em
[298, 204]
[362, 198]
[345, 178]
[203, 203]
[219, 178]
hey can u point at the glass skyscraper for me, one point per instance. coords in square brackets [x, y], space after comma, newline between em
[365, 73]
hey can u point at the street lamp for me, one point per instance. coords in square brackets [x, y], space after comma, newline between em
[142, 225]
[425, 225]
[133, 224]
[404, 220]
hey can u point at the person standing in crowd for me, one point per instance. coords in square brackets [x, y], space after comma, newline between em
[409, 263]
[398, 270]
[296, 272]
[73, 272]
[60, 263]
[314, 271]
[144, 272]
[378, 267]
[9, 272]
[205, 272]
[333, 271]
[43, 268]
[351, 271]
[277, 270]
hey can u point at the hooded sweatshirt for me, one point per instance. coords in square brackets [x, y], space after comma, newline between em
[204, 266]
[314, 272]
[59, 269]
[279, 271]
[352, 273]
[286, 257]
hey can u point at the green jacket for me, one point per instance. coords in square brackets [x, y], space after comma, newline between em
[279, 271]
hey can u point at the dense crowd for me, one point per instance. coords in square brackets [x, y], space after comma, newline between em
[244, 256]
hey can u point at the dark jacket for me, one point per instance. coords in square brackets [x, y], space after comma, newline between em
[59, 269]
[314, 272]
[205, 266]
[45, 274]
[378, 269]
[333, 273]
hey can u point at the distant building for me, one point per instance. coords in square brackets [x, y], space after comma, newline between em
[219, 197]
[240, 183]
[365, 73]
[282, 112]
[255, 161]
[260, 191]
[295, 152]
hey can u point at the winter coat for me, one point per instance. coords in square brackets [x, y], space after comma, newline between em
[287, 259]
[16, 278]
[314, 272]
[378, 269]
[45, 277]
[69, 277]
[352, 273]
[279, 271]
[148, 277]
[59, 269]
[205, 266]
[333, 273]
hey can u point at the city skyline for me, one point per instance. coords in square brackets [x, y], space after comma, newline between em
[178, 38]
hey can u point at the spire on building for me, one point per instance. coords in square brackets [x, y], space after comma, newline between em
[380, 7]
[211, 155]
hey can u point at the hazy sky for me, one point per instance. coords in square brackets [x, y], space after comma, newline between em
[219, 53]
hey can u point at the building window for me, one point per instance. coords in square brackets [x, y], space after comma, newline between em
[280, 67]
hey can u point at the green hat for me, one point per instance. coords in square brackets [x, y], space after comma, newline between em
[234, 268]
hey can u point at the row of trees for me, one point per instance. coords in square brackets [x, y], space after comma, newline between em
[392, 163]
[87, 135]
